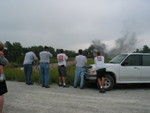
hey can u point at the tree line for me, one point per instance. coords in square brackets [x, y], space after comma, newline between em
[15, 52]
[145, 49]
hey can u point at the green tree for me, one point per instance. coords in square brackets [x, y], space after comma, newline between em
[14, 52]
[146, 49]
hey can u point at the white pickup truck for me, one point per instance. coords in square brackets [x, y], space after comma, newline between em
[124, 68]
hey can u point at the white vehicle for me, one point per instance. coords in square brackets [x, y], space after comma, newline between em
[124, 68]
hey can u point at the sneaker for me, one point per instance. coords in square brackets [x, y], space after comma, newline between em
[75, 86]
[43, 85]
[100, 90]
[103, 90]
[65, 86]
[60, 85]
[47, 86]
[30, 83]
[81, 88]
[26, 83]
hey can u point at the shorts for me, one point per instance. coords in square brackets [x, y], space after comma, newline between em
[62, 70]
[101, 72]
[3, 88]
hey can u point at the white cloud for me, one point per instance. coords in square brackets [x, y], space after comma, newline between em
[73, 23]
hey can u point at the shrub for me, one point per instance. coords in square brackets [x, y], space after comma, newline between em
[14, 74]
[17, 73]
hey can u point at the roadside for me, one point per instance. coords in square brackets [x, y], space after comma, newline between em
[23, 98]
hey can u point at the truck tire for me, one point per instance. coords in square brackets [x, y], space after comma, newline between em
[109, 82]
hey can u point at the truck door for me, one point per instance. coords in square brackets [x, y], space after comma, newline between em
[130, 69]
[145, 70]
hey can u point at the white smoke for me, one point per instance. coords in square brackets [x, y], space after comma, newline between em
[125, 44]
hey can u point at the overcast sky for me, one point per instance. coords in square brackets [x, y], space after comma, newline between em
[73, 24]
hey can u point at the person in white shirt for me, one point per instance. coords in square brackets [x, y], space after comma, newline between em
[45, 67]
[101, 70]
[80, 62]
[61, 58]
[28, 60]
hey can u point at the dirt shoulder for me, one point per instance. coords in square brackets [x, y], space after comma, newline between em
[23, 98]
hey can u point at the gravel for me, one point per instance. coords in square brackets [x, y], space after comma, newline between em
[23, 98]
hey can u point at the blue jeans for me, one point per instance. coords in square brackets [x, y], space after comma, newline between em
[44, 73]
[28, 72]
[79, 72]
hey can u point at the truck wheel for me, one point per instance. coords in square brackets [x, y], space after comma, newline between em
[109, 82]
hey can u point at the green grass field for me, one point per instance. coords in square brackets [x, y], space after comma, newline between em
[17, 74]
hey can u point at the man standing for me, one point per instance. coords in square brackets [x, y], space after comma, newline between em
[3, 85]
[28, 60]
[80, 62]
[61, 58]
[45, 67]
[101, 70]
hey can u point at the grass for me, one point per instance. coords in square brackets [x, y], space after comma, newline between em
[14, 74]
[17, 74]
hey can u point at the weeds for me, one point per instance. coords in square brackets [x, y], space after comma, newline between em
[17, 74]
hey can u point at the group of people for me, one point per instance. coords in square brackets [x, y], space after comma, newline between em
[80, 62]
[100, 68]
[44, 61]
[30, 57]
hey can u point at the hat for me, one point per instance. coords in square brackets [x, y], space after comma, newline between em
[61, 50]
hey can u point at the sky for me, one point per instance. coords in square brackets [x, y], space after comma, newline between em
[73, 24]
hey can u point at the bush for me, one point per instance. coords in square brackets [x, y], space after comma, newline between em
[17, 73]
[14, 74]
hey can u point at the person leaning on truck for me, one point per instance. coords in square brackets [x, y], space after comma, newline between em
[101, 70]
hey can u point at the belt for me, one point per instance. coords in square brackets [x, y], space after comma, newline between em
[44, 62]
[81, 67]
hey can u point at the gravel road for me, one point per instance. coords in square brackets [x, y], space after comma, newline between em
[23, 98]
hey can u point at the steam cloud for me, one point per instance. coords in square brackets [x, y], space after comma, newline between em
[99, 46]
[125, 44]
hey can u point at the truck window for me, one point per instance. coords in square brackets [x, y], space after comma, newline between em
[132, 60]
[146, 60]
